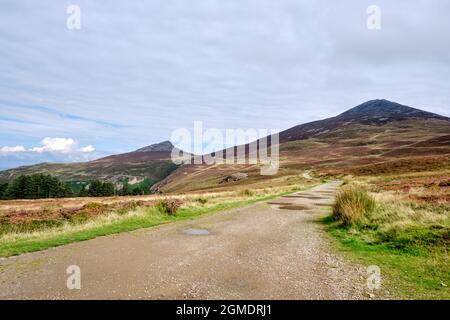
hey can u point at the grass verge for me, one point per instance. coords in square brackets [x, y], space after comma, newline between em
[408, 242]
[144, 217]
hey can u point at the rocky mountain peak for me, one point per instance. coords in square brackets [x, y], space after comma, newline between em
[382, 110]
[165, 146]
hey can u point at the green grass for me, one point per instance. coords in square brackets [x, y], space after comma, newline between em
[151, 217]
[408, 242]
[413, 257]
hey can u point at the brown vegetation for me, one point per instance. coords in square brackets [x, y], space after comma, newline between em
[56, 212]
[169, 206]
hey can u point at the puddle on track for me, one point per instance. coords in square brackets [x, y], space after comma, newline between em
[196, 232]
[295, 207]
[280, 203]
[308, 197]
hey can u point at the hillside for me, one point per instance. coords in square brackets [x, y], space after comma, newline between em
[152, 162]
[376, 137]
[370, 113]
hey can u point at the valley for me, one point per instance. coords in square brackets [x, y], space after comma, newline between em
[389, 162]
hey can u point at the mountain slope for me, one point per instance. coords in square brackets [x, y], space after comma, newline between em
[376, 137]
[373, 113]
[152, 162]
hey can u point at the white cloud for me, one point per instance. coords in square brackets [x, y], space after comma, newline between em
[87, 149]
[7, 149]
[51, 145]
[61, 145]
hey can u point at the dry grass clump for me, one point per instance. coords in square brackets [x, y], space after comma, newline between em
[201, 200]
[169, 206]
[352, 205]
[90, 209]
[246, 193]
[392, 219]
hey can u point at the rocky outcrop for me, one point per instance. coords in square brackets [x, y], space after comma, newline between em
[234, 177]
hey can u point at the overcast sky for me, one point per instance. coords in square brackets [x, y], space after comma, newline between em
[137, 70]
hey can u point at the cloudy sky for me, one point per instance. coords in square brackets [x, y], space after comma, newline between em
[137, 70]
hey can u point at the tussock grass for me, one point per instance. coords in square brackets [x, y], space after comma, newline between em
[246, 193]
[408, 239]
[388, 219]
[201, 200]
[352, 205]
[169, 206]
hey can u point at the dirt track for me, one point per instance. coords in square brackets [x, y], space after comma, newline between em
[256, 252]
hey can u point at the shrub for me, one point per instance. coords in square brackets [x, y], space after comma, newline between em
[202, 200]
[246, 193]
[122, 208]
[352, 204]
[91, 209]
[94, 206]
[169, 206]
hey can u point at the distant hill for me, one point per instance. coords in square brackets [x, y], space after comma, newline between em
[152, 162]
[376, 137]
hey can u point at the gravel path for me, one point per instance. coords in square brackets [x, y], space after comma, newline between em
[273, 250]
